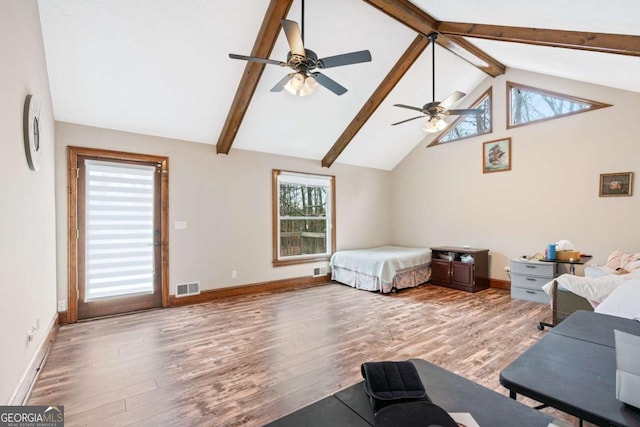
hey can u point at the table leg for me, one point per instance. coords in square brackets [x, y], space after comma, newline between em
[513, 394]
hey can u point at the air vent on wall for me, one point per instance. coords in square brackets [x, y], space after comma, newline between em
[320, 271]
[185, 289]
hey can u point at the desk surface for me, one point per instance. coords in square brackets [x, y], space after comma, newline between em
[595, 327]
[448, 390]
[570, 373]
[582, 260]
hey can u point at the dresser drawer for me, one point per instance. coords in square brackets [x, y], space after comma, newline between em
[535, 295]
[533, 268]
[528, 282]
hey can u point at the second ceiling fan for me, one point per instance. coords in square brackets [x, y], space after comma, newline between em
[304, 80]
[437, 110]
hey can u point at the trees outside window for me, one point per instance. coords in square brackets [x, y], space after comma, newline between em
[304, 217]
[468, 126]
[529, 105]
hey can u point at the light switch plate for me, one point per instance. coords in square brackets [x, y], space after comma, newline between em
[181, 225]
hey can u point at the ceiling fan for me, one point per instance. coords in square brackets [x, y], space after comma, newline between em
[437, 110]
[304, 80]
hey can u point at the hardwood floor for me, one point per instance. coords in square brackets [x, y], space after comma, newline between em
[250, 359]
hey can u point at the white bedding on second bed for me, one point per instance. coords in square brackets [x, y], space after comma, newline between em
[384, 262]
[594, 289]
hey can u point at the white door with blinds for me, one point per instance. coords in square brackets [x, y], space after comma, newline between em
[119, 237]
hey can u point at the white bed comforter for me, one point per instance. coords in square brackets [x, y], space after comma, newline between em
[592, 288]
[384, 262]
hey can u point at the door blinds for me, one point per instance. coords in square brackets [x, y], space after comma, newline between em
[119, 229]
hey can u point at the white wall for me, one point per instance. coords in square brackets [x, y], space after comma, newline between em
[27, 215]
[441, 196]
[226, 202]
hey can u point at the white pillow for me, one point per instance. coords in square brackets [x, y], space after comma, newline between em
[624, 301]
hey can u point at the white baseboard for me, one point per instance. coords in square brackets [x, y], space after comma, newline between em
[23, 390]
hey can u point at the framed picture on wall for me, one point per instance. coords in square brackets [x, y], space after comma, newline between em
[496, 155]
[616, 184]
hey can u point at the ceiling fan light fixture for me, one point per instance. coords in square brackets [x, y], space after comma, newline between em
[301, 85]
[434, 124]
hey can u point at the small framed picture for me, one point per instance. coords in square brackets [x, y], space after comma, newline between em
[616, 184]
[496, 155]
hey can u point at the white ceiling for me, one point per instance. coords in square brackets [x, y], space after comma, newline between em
[161, 67]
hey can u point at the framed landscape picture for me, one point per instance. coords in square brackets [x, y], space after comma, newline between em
[496, 155]
[616, 184]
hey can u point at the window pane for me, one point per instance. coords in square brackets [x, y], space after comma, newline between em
[303, 237]
[467, 126]
[530, 106]
[304, 217]
[471, 125]
[301, 200]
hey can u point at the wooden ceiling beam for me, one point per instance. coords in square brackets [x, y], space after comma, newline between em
[265, 41]
[621, 44]
[388, 83]
[415, 18]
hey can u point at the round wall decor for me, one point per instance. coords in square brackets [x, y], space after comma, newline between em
[31, 129]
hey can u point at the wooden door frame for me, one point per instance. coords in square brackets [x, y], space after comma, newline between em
[72, 218]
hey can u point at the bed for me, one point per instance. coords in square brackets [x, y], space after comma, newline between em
[570, 293]
[384, 269]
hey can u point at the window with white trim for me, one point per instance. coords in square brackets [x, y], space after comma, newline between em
[303, 217]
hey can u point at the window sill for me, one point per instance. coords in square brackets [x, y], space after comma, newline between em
[282, 263]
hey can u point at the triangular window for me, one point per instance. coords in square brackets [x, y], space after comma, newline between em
[529, 104]
[469, 125]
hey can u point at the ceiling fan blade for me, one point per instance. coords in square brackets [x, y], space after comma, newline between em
[408, 120]
[256, 59]
[409, 107]
[281, 84]
[330, 84]
[345, 59]
[452, 99]
[463, 112]
[294, 38]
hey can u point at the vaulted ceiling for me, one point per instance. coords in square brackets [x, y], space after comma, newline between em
[161, 67]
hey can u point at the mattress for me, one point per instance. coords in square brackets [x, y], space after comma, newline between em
[383, 269]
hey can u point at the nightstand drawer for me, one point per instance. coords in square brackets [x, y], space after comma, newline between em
[528, 282]
[534, 295]
[532, 268]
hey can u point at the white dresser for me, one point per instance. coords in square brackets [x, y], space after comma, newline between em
[528, 277]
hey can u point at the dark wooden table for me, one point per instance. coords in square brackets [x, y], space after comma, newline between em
[351, 407]
[573, 369]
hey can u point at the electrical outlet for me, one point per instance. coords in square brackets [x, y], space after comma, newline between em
[234, 274]
[507, 269]
[62, 305]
